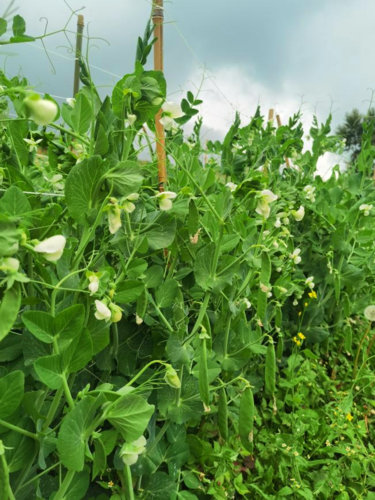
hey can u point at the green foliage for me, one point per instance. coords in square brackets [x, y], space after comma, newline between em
[211, 340]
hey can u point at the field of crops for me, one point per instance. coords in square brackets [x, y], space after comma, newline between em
[202, 331]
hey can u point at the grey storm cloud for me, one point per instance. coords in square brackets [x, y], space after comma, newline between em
[267, 51]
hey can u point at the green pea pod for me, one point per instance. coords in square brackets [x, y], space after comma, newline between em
[9, 308]
[207, 325]
[142, 304]
[280, 348]
[193, 219]
[348, 339]
[346, 305]
[270, 370]
[222, 414]
[278, 317]
[4, 474]
[203, 374]
[246, 420]
[265, 275]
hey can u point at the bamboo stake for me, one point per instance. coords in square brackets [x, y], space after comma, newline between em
[158, 19]
[80, 26]
[271, 115]
[279, 123]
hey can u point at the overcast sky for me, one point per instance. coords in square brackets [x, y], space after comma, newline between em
[266, 51]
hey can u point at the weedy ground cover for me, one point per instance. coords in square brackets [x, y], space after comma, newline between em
[212, 340]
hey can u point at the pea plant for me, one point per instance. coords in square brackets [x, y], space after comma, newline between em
[210, 339]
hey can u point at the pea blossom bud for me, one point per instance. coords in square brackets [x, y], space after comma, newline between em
[138, 319]
[171, 377]
[128, 206]
[131, 119]
[265, 197]
[114, 218]
[51, 248]
[295, 256]
[42, 111]
[310, 282]
[116, 312]
[94, 283]
[9, 265]
[365, 209]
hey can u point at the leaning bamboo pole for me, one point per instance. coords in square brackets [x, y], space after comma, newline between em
[80, 26]
[158, 20]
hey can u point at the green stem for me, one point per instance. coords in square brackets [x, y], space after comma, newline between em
[65, 485]
[53, 408]
[226, 336]
[128, 226]
[70, 132]
[65, 385]
[160, 314]
[355, 368]
[35, 478]
[130, 137]
[144, 369]
[114, 350]
[19, 430]
[129, 492]
[9, 492]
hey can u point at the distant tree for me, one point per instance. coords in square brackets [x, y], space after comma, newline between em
[352, 130]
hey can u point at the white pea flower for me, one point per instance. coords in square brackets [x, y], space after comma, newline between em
[309, 192]
[231, 186]
[128, 206]
[369, 313]
[365, 209]
[275, 244]
[42, 111]
[114, 218]
[32, 144]
[70, 101]
[279, 269]
[138, 319]
[102, 311]
[264, 288]
[247, 303]
[130, 451]
[295, 302]
[9, 265]
[264, 199]
[299, 214]
[94, 283]
[236, 148]
[56, 182]
[51, 248]
[277, 223]
[310, 282]
[131, 119]
[116, 312]
[165, 199]
[269, 294]
[171, 110]
[295, 256]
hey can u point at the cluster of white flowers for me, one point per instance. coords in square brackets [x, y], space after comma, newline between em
[265, 197]
[130, 452]
[365, 209]
[309, 192]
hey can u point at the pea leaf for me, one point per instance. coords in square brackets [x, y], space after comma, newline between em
[81, 114]
[130, 415]
[50, 371]
[3, 26]
[166, 294]
[82, 188]
[9, 309]
[189, 407]
[19, 26]
[14, 202]
[128, 291]
[11, 392]
[126, 178]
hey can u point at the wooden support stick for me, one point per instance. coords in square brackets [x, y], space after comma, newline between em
[271, 115]
[80, 26]
[278, 120]
[158, 19]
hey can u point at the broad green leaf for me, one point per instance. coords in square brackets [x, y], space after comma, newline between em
[126, 178]
[128, 291]
[99, 331]
[136, 268]
[160, 486]
[82, 188]
[166, 294]
[18, 131]
[14, 202]
[81, 114]
[79, 485]
[9, 308]
[72, 438]
[21, 448]
[19, 26]
[40, 324]
[11, 392]
[79, 352]
[130, 416]
[161, 232]
[50, 371]
[153, 276]
[101, 143]
[68, 324]
[100, 459]
[190, 406]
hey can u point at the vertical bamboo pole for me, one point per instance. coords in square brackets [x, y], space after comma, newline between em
[271, 115]
[158, 20]
[278, 120]
[80, 26]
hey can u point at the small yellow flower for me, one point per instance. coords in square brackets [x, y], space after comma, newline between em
[296, 454]
[328, 443]
[306, 304]
[283, 445]
[313, 295]
[299, 314]
[349, 417]
[301, 336]
[298, 342]
[111, 484]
